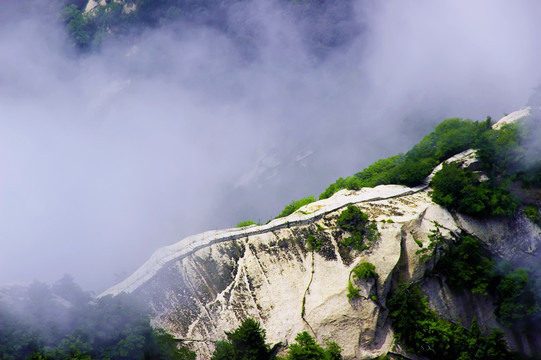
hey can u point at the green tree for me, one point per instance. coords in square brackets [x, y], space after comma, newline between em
[425, 333]
[500, 152]
[79, 26]
[448, 184]
[459, 189]
[247, 342]
[114, 328]
[466, 266]
[306, 348]
[224, 351]
[516, 298]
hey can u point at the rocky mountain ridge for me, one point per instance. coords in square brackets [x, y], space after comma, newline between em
[208, 283]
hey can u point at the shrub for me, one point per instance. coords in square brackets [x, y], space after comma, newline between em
[314, 243]
[296, 205]
[459, 189]
[365, 270]
[306, 348]
[353, 292]
[245, 223]
[79, 26]
[516, 298]
[500, 152]
[466, 266]
[376, 174]
[413, 172]
[532, 213]
[352, 219]
[436, 246]
[448, 138]
[357, 224]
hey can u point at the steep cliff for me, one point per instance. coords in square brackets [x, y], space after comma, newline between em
[208, 283]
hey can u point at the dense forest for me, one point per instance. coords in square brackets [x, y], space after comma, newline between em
[62, 321]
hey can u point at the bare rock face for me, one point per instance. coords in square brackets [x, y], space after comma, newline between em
[127, 6]
[513, 117]
[208, 283]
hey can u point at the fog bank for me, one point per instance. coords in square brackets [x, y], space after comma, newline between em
[106, 156]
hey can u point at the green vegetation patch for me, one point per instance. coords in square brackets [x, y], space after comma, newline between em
[245, 223]
[468, 265]
[353, 292]
[363, 232]
[313, 243]
[306, 348]
[376, 174]
[365, 270]
[423, 332]
[532, 213]
[115, 328]
[436, 246]
[448, 138]
[459, 189]
[296, 205]
[517, 305]
[247, 342]
[505, 157]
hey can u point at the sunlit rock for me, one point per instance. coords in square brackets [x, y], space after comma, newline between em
[511, 118]
[208, 283]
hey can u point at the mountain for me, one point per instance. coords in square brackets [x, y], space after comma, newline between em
[323, 25]
[297, 273]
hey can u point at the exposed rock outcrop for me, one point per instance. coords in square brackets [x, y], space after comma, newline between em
[208, 283]
[127, 6]
[513, 117]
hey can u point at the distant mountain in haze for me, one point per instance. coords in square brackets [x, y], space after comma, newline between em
[321, 25]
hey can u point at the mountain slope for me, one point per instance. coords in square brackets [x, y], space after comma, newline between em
[209, 283]
[295, 273]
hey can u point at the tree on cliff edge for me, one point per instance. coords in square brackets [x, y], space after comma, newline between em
[247, 342]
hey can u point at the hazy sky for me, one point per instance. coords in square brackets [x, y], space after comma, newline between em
[108, 156]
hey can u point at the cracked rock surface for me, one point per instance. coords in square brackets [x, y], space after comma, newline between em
[208, 283]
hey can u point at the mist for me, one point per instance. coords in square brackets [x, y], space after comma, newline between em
[108, 155]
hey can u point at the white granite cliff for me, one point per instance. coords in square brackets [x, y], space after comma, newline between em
[208, 283]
